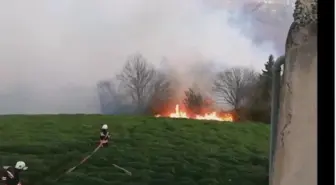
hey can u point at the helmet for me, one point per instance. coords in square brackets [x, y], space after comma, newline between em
[104, 127]
[20, 165]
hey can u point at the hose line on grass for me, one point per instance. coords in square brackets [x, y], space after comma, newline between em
[85, 159]
[89, 156]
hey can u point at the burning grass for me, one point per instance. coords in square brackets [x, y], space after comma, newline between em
[206, 115]
[156, 150]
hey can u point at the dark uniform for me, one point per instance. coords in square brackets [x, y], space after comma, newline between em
[104, 136]
[10, 176]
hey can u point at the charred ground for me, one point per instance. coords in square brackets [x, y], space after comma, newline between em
[156, 150]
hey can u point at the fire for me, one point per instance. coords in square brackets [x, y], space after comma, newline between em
[207, 116]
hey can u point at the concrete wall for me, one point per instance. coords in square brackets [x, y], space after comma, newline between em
[295, 161]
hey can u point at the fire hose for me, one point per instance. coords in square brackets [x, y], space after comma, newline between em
[89, 156]
[84, 160]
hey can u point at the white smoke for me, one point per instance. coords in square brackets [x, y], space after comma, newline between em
[52, 52]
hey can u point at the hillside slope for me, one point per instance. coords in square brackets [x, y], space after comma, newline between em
[156, 151]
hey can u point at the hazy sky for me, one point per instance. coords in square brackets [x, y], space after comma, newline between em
[52, 52]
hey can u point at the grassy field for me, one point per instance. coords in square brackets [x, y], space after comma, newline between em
[156, 151]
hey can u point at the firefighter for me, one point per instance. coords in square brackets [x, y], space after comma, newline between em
[11, 175]
[104, 135]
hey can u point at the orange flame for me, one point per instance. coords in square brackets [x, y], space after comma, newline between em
[207, 116]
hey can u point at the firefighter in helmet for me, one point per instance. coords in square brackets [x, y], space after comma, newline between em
[11, 175]
[104, 135]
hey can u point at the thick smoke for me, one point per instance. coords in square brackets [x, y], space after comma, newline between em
[53, 52]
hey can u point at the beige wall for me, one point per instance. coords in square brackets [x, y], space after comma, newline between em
[296, 151]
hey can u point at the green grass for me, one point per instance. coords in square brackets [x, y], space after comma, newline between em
[156, 151]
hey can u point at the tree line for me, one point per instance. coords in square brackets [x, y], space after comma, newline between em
[141, 88]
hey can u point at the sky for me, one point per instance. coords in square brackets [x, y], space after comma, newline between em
[53, 52]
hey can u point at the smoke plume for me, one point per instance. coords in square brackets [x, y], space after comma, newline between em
[53, 52]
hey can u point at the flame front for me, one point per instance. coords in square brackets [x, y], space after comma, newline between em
[207, 116]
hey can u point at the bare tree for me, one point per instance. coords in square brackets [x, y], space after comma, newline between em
[233, 86]
[161, 87]
[137, 78]
[161, 93]
[106, 92]
[112, 98]
[195, 101]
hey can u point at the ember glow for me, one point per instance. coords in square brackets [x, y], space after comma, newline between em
[206, 116]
